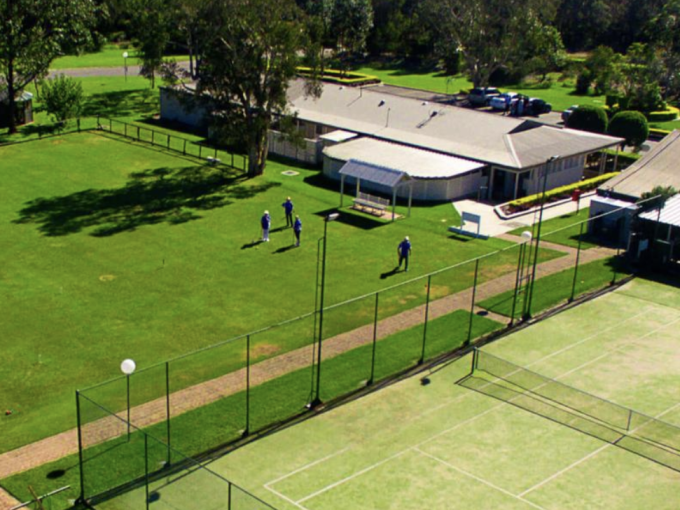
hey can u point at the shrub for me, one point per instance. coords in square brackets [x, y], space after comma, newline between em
[630, 125]
[583, 82]
[62, 98]
[588, 118]
[667, 115]
[341, 77]
[562, 191]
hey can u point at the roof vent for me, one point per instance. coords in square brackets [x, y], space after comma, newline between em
[381, 103]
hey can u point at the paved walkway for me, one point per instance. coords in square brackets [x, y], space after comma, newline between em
[88, 72]
[61, 445]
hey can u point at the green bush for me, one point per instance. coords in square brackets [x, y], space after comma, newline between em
[630, 125]
[667, 115]
[588, 118]
[562, 191]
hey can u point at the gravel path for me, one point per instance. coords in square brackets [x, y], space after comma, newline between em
[61, 445]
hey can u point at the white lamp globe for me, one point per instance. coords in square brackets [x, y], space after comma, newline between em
[128, 366]
[125, 54]
[527, 235]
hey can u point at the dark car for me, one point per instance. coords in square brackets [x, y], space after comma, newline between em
[538, 106]
[567, 113]
[482, 96]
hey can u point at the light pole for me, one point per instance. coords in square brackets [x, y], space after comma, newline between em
[317, 397]
[125, 57]
[128, 367]
[551, 160]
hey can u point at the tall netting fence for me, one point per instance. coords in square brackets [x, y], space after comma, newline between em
[208, 400]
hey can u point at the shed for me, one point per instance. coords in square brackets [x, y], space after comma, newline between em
[24, 111]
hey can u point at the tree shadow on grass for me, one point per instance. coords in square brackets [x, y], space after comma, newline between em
[157, 195]
[122, 103]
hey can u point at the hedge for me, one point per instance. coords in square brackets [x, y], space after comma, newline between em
[343, 78]
[658, 133]
[562, 191]
[667, 115]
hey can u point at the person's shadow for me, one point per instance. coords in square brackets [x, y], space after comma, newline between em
[252, 244]
[285, 249]
[392, 272]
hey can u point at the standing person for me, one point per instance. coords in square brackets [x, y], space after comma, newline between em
[404, 251]
[297, 228]
[265, 221]
[288, 207]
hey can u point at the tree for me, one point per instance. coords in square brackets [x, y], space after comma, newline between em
[659, 194]
[630, 125]
[601, 67]
[548, 50]
[152, 24]
[62, 97]
[249, 58]
[351, 22]
[489, 34]
[32, 34]
[588, 118]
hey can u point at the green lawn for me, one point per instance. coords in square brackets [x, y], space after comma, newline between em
[110, 56]
[120, 460]
[559, 94]
[115, 250]
[564, 230]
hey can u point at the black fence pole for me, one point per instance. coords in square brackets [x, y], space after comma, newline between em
[146, 469]
[371, 380]
[200, 151]
[78, 122]
[215, 156]
[229, 497]
[153, 136]
[184, 150]
[125, 130]
[518, 280]
[167, 409]
[232, 160]
[168, 141]
[472, 304]
[139, 138]
[427, 313]
[110, 125]
[578, 256]
[247, 429]
[80, 448]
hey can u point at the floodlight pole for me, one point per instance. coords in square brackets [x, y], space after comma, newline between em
[125, 57]
[317, 391]
[552, 159]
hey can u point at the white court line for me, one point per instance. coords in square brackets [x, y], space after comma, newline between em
[285, 498]
[564, 470]
[306, 466]
[482, 480]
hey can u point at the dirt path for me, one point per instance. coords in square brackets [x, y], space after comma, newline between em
[61, 445]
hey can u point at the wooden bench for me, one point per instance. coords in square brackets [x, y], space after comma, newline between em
[373, 205]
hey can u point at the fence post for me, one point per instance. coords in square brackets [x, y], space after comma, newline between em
[146, 468]
[78, 121]
[200, 151]
[138, 137]
[427, 313]
[168, 141]
[472, 304]
[247, 429]
[375, 340]
[125, 129]
[616, 261]
[229, 497]
[167, 408]
[215, 156]
[578, 255]
[518, 280]
[110, 125]
[80, 448]
[153, 134]
[184, 150]
[232, 160]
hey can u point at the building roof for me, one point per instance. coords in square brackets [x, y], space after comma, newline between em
[415, 163]
[670, 213]
[493, 139]
[25, 96]
[659, 167]
[338, 136]
[379, 175]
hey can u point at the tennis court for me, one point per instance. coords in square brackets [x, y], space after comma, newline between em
[487, 440]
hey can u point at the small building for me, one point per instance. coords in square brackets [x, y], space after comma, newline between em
[24, 111]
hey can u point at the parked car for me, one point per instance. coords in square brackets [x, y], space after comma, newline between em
[566, 113]
[503, 101]
[538, 106]
[482, 96]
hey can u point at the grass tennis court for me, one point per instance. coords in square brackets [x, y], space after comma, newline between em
[445, 445]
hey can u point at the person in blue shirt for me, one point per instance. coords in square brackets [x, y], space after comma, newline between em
[265, 222]
[297, 228]
[404, 251]
[288, 207]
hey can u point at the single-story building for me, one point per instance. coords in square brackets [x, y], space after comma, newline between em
[513, 153]
[24, 111]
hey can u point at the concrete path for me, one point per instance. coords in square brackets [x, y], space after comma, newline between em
[89, 72]
[61, 445]
[494, 226]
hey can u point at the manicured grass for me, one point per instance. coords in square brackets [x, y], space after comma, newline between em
[560, 94]
[115, 250]
[550, 290]
[121, 460]
[556, 231]
[110, 56]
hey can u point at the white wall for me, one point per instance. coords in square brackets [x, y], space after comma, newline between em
[309, 153]
[560, 173]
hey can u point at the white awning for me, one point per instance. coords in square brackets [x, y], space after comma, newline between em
[372, 173]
